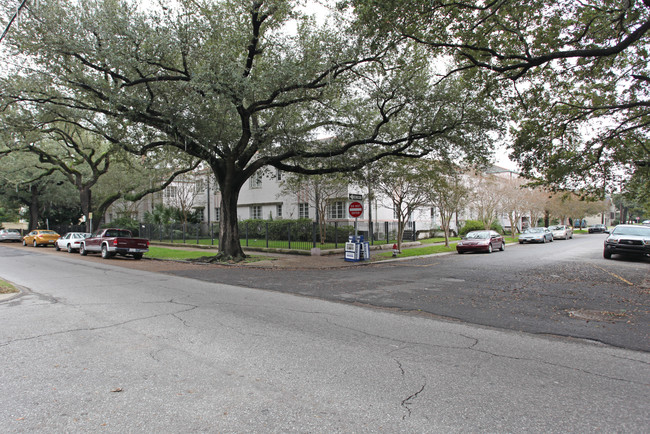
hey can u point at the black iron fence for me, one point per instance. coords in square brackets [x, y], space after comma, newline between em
[279, 234]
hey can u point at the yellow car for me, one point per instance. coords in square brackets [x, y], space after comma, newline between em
[40, 237]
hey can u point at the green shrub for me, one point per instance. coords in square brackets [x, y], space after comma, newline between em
[124, 223]
[301, 230]
[496, 226]
[471, 225]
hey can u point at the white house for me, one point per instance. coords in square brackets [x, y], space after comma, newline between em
[263, 197]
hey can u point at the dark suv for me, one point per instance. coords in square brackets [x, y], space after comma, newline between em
[628, 240]
[597, 229]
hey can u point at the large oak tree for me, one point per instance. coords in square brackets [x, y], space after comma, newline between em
[241, 85]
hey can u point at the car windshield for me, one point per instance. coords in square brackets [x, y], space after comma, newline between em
[533, 230]
[478, 235]
[48, 232]
[627, 230]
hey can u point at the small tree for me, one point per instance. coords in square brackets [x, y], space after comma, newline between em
[321, 190]
[403, 187]
[447, 192]
[485, 197]
[514, 194]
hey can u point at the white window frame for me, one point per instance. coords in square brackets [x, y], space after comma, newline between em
[256, 180]
[170, 191]
[303, 210]
[256, 212]
[336, 210]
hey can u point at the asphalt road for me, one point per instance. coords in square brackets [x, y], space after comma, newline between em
[92, 346]
[563, 288]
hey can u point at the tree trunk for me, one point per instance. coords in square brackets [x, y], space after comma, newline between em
[33, 208]
[85, 196]
[445, 226]
[547, 218]
[229, 243]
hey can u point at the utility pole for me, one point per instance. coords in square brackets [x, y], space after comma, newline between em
[208, 201]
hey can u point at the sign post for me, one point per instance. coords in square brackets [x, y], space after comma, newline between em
[356, 249]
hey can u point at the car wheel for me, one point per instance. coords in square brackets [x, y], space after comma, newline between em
[607, 254]
[24, 243]
[490, 248]
[521, 242]
[69, 248]
[460, 252]
[503, 246]
[56, 247]
[137, 256]
[105, 252]
[82, 250]
[35, 245]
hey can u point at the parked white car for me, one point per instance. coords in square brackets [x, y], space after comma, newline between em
[536, 235]
[70, 241]
[561, 232]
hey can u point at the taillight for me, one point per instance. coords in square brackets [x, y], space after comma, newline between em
[115, 242]
[147, 243]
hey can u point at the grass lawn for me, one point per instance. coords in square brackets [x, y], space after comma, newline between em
[176, 254]
[164, 253]
[438, 240]
[416, 251]
[6, 287]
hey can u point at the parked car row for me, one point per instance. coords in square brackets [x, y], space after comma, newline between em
[488, 240]
[108, 242]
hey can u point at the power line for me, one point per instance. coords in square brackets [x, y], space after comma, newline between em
[13, 18]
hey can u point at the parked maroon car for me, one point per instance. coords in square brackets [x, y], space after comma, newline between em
[481, 241]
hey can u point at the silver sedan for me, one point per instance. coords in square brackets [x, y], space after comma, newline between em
[11, 235]
[70, 241]
[561, 232]
[536, 235]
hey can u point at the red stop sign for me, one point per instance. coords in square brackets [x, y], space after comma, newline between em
[355, 209]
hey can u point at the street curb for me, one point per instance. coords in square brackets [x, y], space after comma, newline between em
[12, 295]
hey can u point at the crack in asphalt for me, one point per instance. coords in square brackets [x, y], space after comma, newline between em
[104, 327]
[409, 400]
[472, 347]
